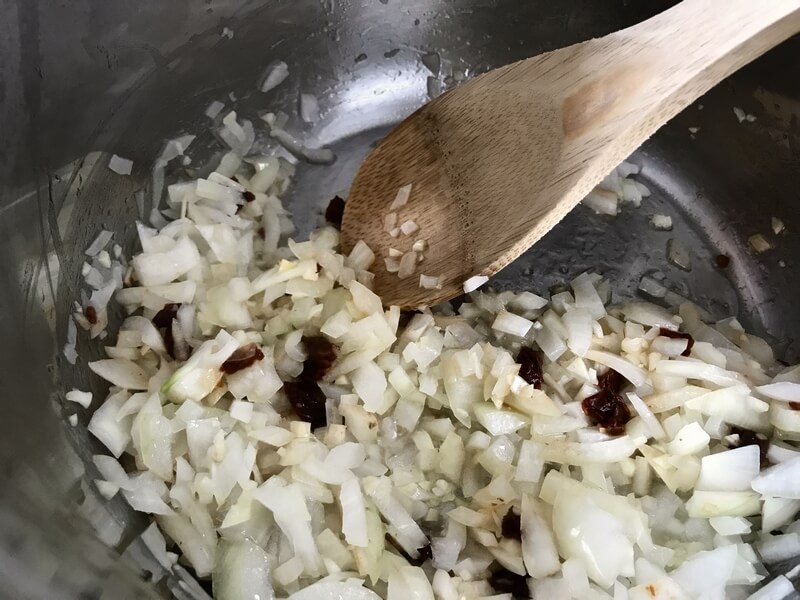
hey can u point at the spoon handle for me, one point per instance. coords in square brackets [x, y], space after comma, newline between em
[621, 88]
[698, 43]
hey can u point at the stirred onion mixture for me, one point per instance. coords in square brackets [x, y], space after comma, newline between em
[294, 439]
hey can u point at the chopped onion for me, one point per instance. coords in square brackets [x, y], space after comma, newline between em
[624, 367]
[430, 283]
[199, 550]
[780, 481]
[407, 266]
[401, 199]
[648, 418]
[779, 548]
[309, 108]
[759, 243]
[730, 525]
[121, 372]
[729, 471]
[335, 590]
[322, 156]
[785, 391]
[604, 547]
[512, 324]
[473, 283]
[113, 432]
[691, 439]
[121, 166]
[723, 504]
[409, 582]
[661, 222]
[407, 531]
[99, 243]
[242, 572]
[369, 382]
[538, 544]
[276, 74]
[214, 109]
[705, 574]
[434, 433]
[79, 397]
[579, 330]
[586, 296]
[291, 514]
[779, 588]
[354, 515]
[409, 227]
[678, 255]
[602, 201]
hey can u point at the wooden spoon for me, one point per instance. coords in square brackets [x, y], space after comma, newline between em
[495, 163]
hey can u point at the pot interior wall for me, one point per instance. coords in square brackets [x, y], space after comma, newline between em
[86, 79]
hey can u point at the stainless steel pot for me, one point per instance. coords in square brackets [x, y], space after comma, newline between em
[82, 79]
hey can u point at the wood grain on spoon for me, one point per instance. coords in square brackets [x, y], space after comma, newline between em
[495, 163]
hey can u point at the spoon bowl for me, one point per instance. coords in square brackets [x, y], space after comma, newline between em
[494, 164]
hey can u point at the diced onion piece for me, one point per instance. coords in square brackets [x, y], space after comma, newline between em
[113, 432]
[369, 382]
[785, 391]
[430, 283]
[780, 481]
[691, 439]
[579, 330]
[678, 255]
[121, 372]
[583, 453]
[290, 510]
[214, 109]
[538, 543]
[499, 422]
[276, 75]
[79, 397]
[121, 166]
[512, 324]
[99, 243]
[759, 243]
[361, 256]
[354, 515]
[408, 533]
[622, 366]
[723, 504]
[779, 547]
[729, 471]
[163, 267]
[706, 574]
[408, 264]
[779, 588]
[730, 525]
[242, 570]
[648, 418]
[401, 198]
[309, 108]
[390, 222]
[661, 222]
[328, 589]
[604, 547]
[778, 512]
[586, 296]
[602, 201]
[473, 283]
[409, 227]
